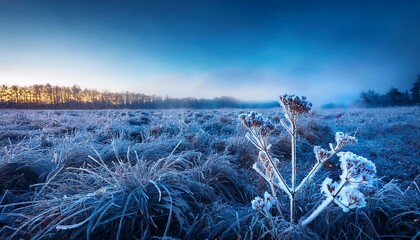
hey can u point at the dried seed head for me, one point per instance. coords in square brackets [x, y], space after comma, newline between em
[269, 200]
[255, 121]
[257, 203]
[263, 204]
[267, 127]
[349, 196]
[328, 186]
[252, 119]
[295, 104]
[321, 154]
[344, 139]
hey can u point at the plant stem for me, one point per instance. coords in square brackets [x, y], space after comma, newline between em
[324, 204]
[292, 208]
[293, 156]
[292, 199]
[317, 211]
[313, 171]
[278, 174]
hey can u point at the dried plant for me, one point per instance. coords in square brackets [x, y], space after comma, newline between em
[356, 170]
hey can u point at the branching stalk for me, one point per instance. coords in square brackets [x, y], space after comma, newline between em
[325, 203]
[256, 139]
[316, 167]
[278, 175]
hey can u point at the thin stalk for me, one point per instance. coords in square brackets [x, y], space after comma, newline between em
[325, 204]
[278, 175]
[292, 208]
[292, 199]
[317, 211]
[313, 171]
[293, 156]
[340, 188]
[261, 144]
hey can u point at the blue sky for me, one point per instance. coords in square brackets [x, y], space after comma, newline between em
[251, 50]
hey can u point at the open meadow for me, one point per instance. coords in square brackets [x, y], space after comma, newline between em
[187, 174]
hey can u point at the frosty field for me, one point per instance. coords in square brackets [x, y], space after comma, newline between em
[140, 174]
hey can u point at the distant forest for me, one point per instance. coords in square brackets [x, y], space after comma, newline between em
[56, 97]
[393, 97]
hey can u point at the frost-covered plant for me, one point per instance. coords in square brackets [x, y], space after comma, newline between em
[356, 170]
[263, 205]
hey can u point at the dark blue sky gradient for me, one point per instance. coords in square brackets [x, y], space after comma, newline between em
[251, 50]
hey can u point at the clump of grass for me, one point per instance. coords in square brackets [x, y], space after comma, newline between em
[98, 201]
[16, 176]
[225, 179]
[128, 198]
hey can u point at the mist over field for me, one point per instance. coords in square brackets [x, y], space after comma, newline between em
[197, 119]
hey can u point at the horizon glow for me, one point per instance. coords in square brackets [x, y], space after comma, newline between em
[329, 52]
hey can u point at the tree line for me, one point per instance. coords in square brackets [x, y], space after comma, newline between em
[46, 96]
[393, 97]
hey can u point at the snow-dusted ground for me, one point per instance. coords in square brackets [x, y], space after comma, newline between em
[46, 145]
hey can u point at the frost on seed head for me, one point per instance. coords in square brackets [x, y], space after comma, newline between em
[252, 119]
[356, 168]
[265, 204]
[345, 196]
[295, 104]
[255, 121]
[322, 154]
[257, 203]
[268, 200]
[328, 187]
[344, 139]
[350, 197]
[357, 171]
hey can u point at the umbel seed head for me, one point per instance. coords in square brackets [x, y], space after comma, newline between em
[253, 120]
[295, 104]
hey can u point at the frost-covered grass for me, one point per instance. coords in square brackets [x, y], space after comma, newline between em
[188, 174]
